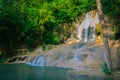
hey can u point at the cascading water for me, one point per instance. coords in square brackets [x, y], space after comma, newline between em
[37, 61]
[87, 23]
[86, 30]
[76, 56]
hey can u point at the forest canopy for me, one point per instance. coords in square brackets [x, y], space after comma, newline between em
[29, 23]
[37, 22]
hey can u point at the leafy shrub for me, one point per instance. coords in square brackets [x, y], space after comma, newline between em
[105, 69]
[2, 57]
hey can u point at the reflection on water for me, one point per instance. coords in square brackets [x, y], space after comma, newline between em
[27, 72]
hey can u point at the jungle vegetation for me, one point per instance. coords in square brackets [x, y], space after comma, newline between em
[31, 23]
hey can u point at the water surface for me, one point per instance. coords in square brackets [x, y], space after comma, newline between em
[27, 72]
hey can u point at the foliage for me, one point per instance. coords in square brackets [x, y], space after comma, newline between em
[98, 31]
[47, 47]
[2, 57]
[112, 9]
[105, 69]
[29, 23]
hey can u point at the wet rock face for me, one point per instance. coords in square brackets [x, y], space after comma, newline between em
[78, 46]
[17, 59]
[37, 60]
[86, 30]
[79, 56]
[12, 59]
[115, 53]
[57, 56]
[70, 55]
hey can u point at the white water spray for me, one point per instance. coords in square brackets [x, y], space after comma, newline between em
[86, 30]
[37, 61]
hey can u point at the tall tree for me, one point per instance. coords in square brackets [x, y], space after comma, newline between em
[105, 38]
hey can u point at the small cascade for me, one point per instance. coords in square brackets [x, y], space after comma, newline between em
[37, 61]
[79, 57]
[86, 30]
[75, 57]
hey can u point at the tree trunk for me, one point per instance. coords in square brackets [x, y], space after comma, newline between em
[105, 38]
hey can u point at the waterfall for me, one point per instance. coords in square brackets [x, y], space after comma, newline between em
[37, 61]
[86, 30]
[87, 23]
[66, 57]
